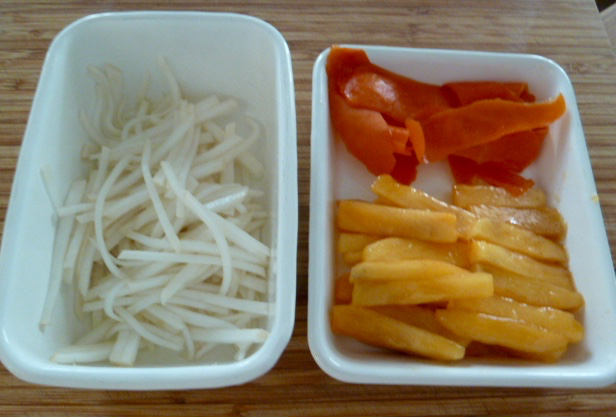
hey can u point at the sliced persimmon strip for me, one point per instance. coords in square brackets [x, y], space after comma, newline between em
[405, 170]
[468, 92]
[496, 175]
[416, 137]
[368, 86]
[396, 97]
[464, 170]
[365, 134]
[489, 130]
[484, 121]
[400, 140]
[515, 151]
[343, 62]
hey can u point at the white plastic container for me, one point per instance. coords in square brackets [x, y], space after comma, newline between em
[563, 170]
[227, 54]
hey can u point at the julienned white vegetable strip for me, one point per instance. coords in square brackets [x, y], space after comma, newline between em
[63, 235]
[160, 243]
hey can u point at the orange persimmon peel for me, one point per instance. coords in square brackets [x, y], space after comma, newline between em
[467, 92]
[396, 97]
[392, 123]
[368, 86]
[484, 121]
[467, 171]
[514, 152]
[365, 133]
[496, 175]
[416, 137]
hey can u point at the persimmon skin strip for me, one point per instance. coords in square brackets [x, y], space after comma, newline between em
[392, 123]
[343, 62]
[400, 140]
[416, 137]
[468, 92]
[496, 175]
[396, 97]
[405, 170]
[514, 152]
[500, 162]
[466, 171]
[484, 121]
[365, 134]
[368, 86]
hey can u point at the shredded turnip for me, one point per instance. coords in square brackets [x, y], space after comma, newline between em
[63, 236]
[83, 353]
[161, 241]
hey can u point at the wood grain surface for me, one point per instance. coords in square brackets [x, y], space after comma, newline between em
[568, 31]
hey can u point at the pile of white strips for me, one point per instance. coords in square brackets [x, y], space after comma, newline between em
[161, 243]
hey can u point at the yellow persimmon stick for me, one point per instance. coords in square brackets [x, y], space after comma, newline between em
[343, 290]
[443, 288]
[469, 195]
[388, 189]
[495, 255]
[395, 248]
[354, 242]
[549, 318]
[376, 219]
[536, 292]
[421, 317]
[544, 221]
[548, 357]
[413, 269]
[352, 258]
[376, 329]
[518, 239]
[510, 333]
